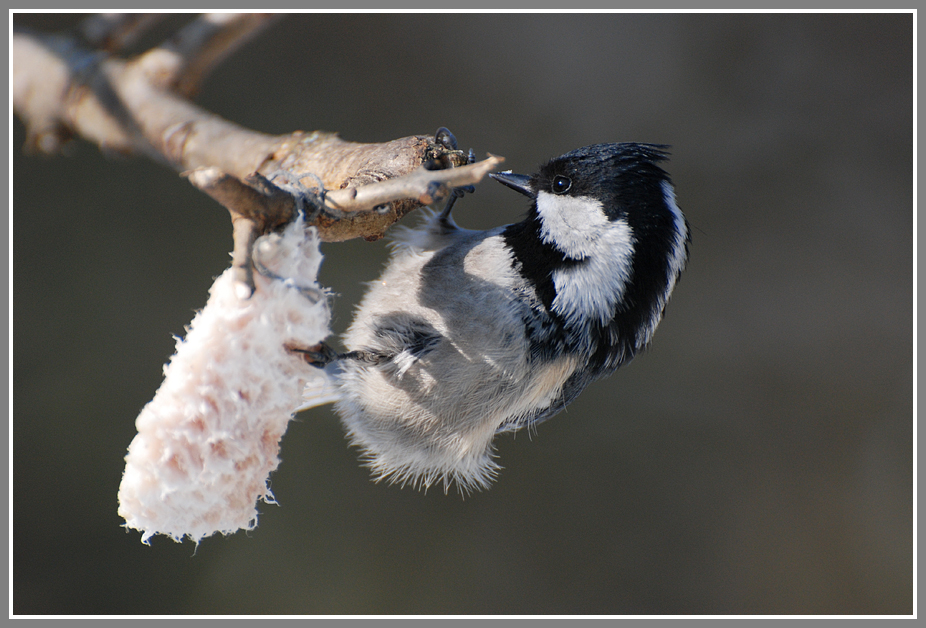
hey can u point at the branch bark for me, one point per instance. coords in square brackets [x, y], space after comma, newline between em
[62, 90]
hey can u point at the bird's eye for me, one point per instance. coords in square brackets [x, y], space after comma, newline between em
[561, 184]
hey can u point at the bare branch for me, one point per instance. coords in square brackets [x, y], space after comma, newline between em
[61, 90]
[116, 31]
[64, 89]
[184, 61]
[427, 186]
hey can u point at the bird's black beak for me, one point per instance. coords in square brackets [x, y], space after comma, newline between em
[517, 182]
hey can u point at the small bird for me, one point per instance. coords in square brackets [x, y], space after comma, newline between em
[468, 334]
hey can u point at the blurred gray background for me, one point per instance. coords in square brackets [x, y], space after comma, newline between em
[757, 460]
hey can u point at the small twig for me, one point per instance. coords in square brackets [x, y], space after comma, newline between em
[425, 186]
[116, 31]
[253, 198]
[183, 62]
[244, 234]
[256, 206]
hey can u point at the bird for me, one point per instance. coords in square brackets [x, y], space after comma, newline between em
[468, 334]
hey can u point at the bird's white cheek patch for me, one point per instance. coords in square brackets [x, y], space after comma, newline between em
[591, 290]
[578, 227]
[571, 224]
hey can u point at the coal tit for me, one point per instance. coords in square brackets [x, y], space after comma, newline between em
[468, 334]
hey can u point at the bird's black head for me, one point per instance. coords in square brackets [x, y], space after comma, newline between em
[603, 244]
[622, 176]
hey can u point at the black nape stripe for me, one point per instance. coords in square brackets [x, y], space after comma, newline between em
[536, 259]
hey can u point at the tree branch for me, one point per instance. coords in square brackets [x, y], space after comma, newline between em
[138, 106]
[115, 31]
[184, 61]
